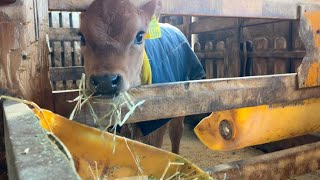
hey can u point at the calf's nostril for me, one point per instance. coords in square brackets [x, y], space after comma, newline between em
[93, 81]
[106, 84]
[116, 80]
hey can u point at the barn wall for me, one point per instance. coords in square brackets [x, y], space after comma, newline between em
[265, 38]
[23, 51]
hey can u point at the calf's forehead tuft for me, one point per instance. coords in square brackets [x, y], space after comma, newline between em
[112, 20]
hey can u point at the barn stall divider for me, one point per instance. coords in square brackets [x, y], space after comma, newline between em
[231, 58]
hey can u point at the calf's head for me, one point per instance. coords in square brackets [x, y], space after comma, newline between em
[112, 43]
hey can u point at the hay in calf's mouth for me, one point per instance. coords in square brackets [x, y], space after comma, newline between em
[113, 112]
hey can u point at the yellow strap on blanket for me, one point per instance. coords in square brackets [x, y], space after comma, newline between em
[146, 75]
[153, 32]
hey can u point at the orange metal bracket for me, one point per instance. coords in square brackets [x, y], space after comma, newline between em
[243, 127]
[309, 71]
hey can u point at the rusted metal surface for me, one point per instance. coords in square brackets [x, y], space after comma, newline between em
[309, 71]
[223, 8]
[278, 165]
[258, 125]
[195, 97]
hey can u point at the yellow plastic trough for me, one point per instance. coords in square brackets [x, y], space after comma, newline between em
[259, 125]
[92, 152]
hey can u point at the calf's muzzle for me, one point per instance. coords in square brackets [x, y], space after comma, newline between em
[106, 84]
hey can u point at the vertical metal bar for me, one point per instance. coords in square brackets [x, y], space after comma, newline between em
[249, 65]
[290, 46]
[52, 54]
[62, 48]
[74, 82]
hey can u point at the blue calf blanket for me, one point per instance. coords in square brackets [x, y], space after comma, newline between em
[171, 59]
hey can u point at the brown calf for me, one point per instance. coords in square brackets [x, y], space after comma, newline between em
[112, 44]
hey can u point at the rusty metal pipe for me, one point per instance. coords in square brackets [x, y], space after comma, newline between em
[278, 165]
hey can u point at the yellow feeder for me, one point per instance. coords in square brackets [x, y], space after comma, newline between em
[92, 152]
[239, 128]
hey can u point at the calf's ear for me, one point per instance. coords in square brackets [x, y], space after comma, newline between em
[149, 8]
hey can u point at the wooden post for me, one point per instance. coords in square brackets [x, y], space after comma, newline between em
[209, 61]
[24, 61]
[232, 61]
[249, 61]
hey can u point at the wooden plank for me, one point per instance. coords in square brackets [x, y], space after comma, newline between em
[260, 65]
[67, 49]
[210, 55]
[209, 63]
[233, 62]
[66, 73]
[64, 34]
[201, 26]
[219, 64]
[24, 52]
[213, 24]
[278, 54]
[70, 5]
[59, 74]
[263, 54]
[224, 8]
[280, 65]
[59, 50]
[52, 49]
[278, 165]
[196, 97]
[249, 63]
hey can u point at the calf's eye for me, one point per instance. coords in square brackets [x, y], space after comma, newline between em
[82, 39]
[139, 38]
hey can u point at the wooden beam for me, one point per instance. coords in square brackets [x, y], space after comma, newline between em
[265, 54]
[211, 24]
[278, 165]
[66, 73]
[214, 24]
[278, 54]
[201, 26]
[24, 62]
[64, 34]
[287, 9]
[74, 73]
[204, 96]
[210, 55]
